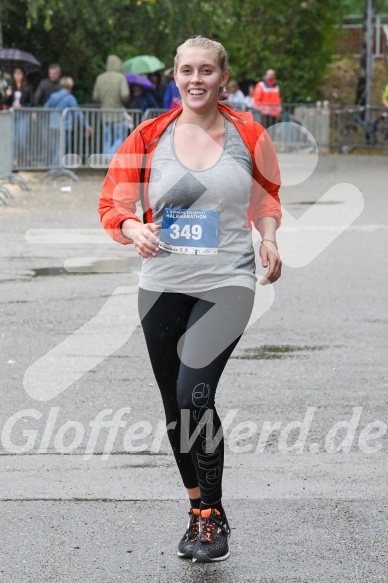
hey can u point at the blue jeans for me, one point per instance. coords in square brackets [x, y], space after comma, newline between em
[114, 135]
[21, 128]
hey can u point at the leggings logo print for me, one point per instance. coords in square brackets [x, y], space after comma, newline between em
[211, 460]
[200, 397]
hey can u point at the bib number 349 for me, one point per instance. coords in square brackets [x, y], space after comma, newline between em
[189, 231]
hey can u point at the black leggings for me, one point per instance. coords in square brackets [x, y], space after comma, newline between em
[189, 342]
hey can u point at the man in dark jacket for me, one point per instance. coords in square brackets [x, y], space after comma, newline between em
[47, 86]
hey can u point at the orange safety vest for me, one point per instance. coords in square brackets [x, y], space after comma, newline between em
[267, 99]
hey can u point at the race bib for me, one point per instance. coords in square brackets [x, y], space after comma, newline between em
[189, 231]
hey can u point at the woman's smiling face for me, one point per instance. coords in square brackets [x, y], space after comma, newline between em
[199, 78]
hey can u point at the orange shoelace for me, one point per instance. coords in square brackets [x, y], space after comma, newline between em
[193, 529]
[210, 524]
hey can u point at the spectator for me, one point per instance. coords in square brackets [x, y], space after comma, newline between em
[18, 96]
[223, 94]
[171, 96]
[385, 96]
[3, 87]
[47, 86]
[62, 100]
[248, 99]
[141, 99]
[267, 99]
[111, 91]
[235, 95]
[19, 93]
[158, 92]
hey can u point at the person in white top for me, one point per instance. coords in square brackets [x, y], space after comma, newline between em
[235, 95]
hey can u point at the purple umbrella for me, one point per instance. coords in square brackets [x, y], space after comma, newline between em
[12, 58]
[139, 80]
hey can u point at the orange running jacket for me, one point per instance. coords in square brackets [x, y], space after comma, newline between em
[128, 176]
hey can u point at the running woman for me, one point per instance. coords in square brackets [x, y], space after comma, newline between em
[204, 175]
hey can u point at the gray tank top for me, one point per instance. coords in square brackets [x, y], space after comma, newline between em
[224, 188]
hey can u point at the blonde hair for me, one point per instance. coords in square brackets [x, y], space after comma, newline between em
[204, 43]
[66, 83]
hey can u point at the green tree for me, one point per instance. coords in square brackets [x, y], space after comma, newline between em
[358, 7]
[295, 37]
[77, 34]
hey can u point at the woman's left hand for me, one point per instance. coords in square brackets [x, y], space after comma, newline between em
[270, 257]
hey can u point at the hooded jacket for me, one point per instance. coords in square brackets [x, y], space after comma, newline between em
[128, 176]
[62, 100]
[111, 89]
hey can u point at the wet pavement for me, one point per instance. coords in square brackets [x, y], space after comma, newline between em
[303, 401]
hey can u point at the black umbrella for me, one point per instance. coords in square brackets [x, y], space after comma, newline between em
[12, 58]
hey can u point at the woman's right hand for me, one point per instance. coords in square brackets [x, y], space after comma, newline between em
[145, 241]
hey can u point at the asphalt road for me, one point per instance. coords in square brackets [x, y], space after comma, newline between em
[303, 399]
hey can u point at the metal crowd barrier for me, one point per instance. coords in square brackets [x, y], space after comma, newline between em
[309, 128]
[49, 139]
[7, 175]
[6, 143]
[91, 136]
[343, 129]
[298, 128]
[5, 153]
[153, 112]
[37, 133]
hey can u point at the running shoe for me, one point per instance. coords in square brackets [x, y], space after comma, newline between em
[186, 545]
[212, 543]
